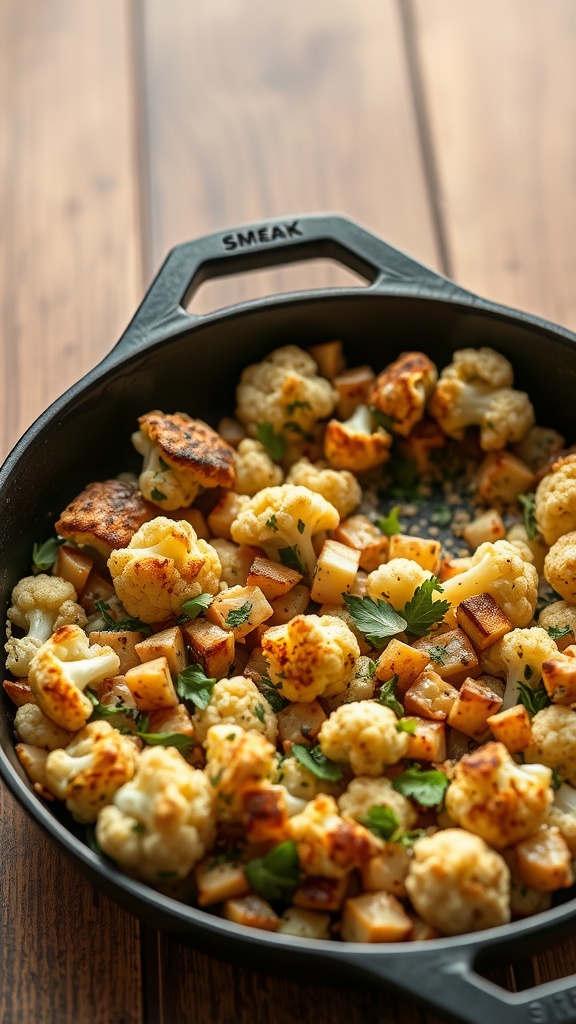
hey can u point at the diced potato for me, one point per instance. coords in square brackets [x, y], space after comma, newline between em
[421, 931]
[512, 728]
[176, 719]
[375, 917]
[193, 516]
[265, 814]
[330, 358]
[426, 552]
[274, 579]
[239, 610]
[482, 620]
[430, 696]
[305, 924]
[295, 602]
[241, 655]
[256, 666]
[19, 692]
[487, 527]
[501, 477]
[427, 742]
[361, 687]
[538, 446]
[451, 567]
[559, 677]
[335, 573]
[543, 861]
[423, 446]
[123, 642]
[403, 661]
[387, 871]
[316, 893]
[212, 647]
[231, 431]
[169, 644]
[225, 511]
[360, 585]
[235, 559]
[151, 685]
[300, 723]
[360, 533]
[97, 588]
[474, 705]
[353, 387]
[218, 882]
[73, 565]
[452, 654]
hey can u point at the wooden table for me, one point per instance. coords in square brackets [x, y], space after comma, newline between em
[447, 126]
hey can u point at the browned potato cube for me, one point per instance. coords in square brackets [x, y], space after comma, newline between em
[239, 610]
[452, 654]
[306, 924]
[256, 666]
[387, 871]
[487, 527]
[330, 358]
[559, 676]
[430, 696]
[97, 588]
[421, 931]
[427, 742]
[512, 728]
[212, 647]
[274, 579]
[360, 533]
[151, 685]
[482, 620]
[176, 719]
[169, 644]
[424, 551]
[403, 661]
[335, 573]
[423, 446]
[501, 477]
[451, 567]
[300, 723]
[123, 642]
[225, 511]
[475, 703]
[375, 917]
[543, 861]
[353, 387]
[218, 882]
[73, 565]
[316, 893]
[295, 602]
[19, 692]
[265, 816]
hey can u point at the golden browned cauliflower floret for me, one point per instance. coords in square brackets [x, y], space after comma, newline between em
[32, 726]
[497, 799]
[237, 701]
[286, 391]
[396, 581]
[358, 443]
[182, 456]
[338, 486]
[559, 614]
[310, 655]
[560, 566]
[365, 792]
[327, 845]
[554, 735]
[161, 822]
[105, 515]
[520, 654]
[562, 814]
[62, 669]
[164, 565]
[457, 883]
[87, 773]
[556, 500]
[403, 388]
[497, 569]
[254, 468]
[235, 761]
[364, 735]
[40, 605]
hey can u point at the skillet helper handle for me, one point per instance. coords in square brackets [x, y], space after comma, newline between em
[268, 244]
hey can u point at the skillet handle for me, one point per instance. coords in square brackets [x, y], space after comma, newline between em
[267, 244]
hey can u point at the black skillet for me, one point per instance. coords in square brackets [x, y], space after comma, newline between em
[170, 359]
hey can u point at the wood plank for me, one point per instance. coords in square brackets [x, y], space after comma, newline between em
[499, 82]
[68, 283]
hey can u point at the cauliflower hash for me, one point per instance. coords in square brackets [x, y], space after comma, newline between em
[262, 696]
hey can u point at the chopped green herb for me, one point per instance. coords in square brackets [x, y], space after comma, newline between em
[44, 555]
[441, 516]
[408, 839]
[316, 762]
[377, 620]
[301, 526]
[138, 827]
[276, 875]
[272, 524]
[556, 779]
[182, 743]
[426, 786]
[528, 672]
[163, 464]
[297, 429]
[292, 406]
[259, 712]
[194, 607]
[388, 698]
[127, 624]
[275, 699]
[157, 495]
[382, 419]
[407, 725]
[390, 524]
[274, 443]
[528, 502]
[382, 821]
[106, 711]
[367, 673]
[194, 685]
[533, 698]
[437, 653]
[238, 616]
[215, 779]
[292, 558]
[423, 612]
[557, 632]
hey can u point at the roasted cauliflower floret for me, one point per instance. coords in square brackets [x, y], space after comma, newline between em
[403, 388]
[497, 799]
[520, 655]
[237, 701]
[161, 822]
[62, 669]
[554, 735]
[105, 515]
[562, 814]
[182, 456]
[358, 443]
[396, 581]
[476, 390]
[164, 565]
[310, 655]
[364, 735]
[254, 468]
[560, 566]
[556, 500]
[87, 773]
[497, 569]
[283, 520]
[327, 845]
[365, 792]
[286, 391]
[338, 486]
[299, 782]
[235, 760]
[40, 605]
[32, 726]
[457, 883]
[558, 615]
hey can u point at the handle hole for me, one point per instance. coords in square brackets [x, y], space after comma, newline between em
[229, 289]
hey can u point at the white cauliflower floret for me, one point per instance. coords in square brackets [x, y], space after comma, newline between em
[162, 822]
[499, 570]
[235, 760]
[33, 727]
[310, 655]
[560, 566]
[520, 654]
[396, 581]
[182, 456]
[338, 486]
[364, 735]
[497, 799]
[402, 389]
[283, 520]
[457, 883]
[286, 391]
[62, 669]
[563, 814]
[357, 444]
[40, 605]
[554, 741]
[237, 701]
[365, 792]
[327, 845]
[556, 500]
[299, 782]
[164, 565]
[254, 468]
[87, 773]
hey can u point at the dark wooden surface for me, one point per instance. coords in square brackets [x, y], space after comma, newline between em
[127, 126]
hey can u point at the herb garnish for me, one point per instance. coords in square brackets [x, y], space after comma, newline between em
[127, 624]
[316, 762]
[408, 725]
[423, 612]
[390, 524]
[533, 698]
[377, 619]
[528, 502]
[157, 495]
[441, 516]
[438, 653]
[275, 699]
[238, 616]
[274, 443]
[382, 821]
[388, 698]
[44, 555]
[384, 421]
[194, 685]
[292, 406]
[292, 558]
[194, 607]
[426, 786]
[275, 876]
[557, 632]
[272, 524]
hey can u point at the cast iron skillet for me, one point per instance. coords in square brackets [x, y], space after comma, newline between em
[170, 359]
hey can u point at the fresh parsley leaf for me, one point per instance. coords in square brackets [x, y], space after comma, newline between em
[377, 620]
[272, 524]
[557, 632]
[367, 672]
[405, 480]
[423, 612]
[407, 725]
[408, 839]
[533, 698]
[388, 698]
[297, 429]
[382, 821]
[127, 624]
[292, 406]
[44, 555]
[301, 526]
[194, 607]
[259, 712]
[164, 466]
[107, 711]
[275, 699]
[441, 516]
[292, 558]
[157, 495]
[382, 419]
[182, 743]
[194, 685]
[390, 524]
[275, 876]
[437, 653]
[556, 781]
[316, 762]
[274, 443]
[238, 616]
[528, 502]
[426, 786]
